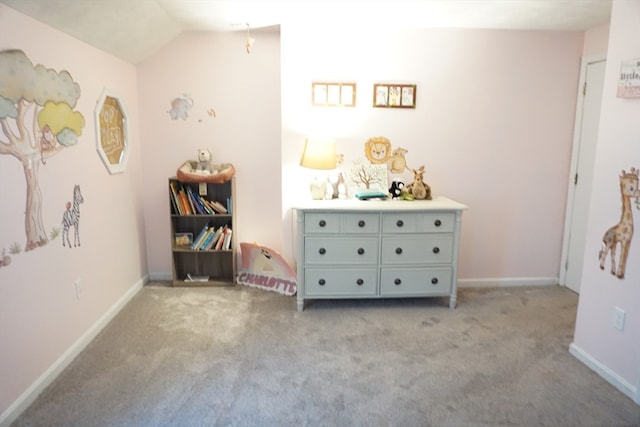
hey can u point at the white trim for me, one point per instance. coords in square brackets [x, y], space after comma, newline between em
[507, 282]
[577, 126]
[160, 277]
[31, 393]
[611, 377]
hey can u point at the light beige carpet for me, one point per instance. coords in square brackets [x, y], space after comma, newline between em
[245, 357]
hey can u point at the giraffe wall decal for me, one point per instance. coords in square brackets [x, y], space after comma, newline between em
[623, 231]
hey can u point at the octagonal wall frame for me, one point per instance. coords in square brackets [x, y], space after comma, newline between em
[112, 139]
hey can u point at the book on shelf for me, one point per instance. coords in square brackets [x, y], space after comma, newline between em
[208, 209]
[199, 238]
[191, 278]
[190, 200]
[174, 206]
[220, 241]
[175, 198]
[214, 239]
[218, 207]
[194, 206]
[209, 239]
[199, 203]
[227, 240]
[186, 207]
[209, 206]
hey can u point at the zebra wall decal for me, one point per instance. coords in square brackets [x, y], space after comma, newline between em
[71, 217]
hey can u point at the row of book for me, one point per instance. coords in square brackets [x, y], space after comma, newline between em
[186, 202]
[213, 238]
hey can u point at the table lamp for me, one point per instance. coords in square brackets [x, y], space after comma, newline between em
[319, 154]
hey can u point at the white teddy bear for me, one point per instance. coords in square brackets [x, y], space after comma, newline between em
[204, 165]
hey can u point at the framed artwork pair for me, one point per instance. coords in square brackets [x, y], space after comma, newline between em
[344, 95]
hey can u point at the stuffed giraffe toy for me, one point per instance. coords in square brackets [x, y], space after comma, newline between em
[623, 230]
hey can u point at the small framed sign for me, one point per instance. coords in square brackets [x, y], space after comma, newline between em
[183, 240]
[629, 82]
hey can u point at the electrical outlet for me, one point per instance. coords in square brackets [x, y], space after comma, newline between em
[78, 286]
[618, 318]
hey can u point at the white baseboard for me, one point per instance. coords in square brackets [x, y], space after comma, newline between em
[160, 277]
[606, 373]
[34, 390]
[462, 283]
[507, 282]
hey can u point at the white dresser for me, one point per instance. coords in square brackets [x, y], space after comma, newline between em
[377, 249]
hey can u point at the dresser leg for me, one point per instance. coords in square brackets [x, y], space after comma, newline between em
[300, 304]
[452, 302]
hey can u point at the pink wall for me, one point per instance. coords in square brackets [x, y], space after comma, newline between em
[493, 125]
[244, 90]
[617, 352]
[40, 316]
[505, 99]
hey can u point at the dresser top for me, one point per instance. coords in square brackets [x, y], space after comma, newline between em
[437, 204]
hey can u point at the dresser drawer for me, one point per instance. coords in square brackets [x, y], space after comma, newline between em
[401, 222]
[359, 223]
[411, 222]
[340, 282]
[415, 281]
[438, 222]
[341, 250]
[420, 249]
[322, 222]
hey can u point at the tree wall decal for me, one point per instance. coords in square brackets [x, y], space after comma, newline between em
[38, 122]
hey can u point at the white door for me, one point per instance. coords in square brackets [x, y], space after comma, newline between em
[579, 195]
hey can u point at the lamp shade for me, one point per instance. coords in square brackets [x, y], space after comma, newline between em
[319, 154]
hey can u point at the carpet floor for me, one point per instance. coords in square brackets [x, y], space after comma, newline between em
[245, 357]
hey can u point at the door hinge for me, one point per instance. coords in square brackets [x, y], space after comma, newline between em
[584, 89]
[575, 180]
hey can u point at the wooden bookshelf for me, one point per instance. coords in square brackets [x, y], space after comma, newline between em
[194, 207]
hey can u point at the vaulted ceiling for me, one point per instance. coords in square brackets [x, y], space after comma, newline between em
[135, 29]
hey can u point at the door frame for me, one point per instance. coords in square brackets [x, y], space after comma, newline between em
[584, 64]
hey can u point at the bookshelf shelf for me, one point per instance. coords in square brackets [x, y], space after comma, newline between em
[203, 250]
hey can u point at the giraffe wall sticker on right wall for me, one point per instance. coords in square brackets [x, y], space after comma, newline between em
[622, 232]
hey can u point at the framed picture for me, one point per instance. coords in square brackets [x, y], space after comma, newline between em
[394, 96]
[333, 94]
[365, 176]
[183, 240]
[112, 139]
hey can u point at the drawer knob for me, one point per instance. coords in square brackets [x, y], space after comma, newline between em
[438, 223]
[360, 251]
[434, 281]
[397, 282]
[322, 251]
[321, 282]
[361, 223]
[436, 250]
[360, 282]
[398, 251]
[399, 223]
[322, 223]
